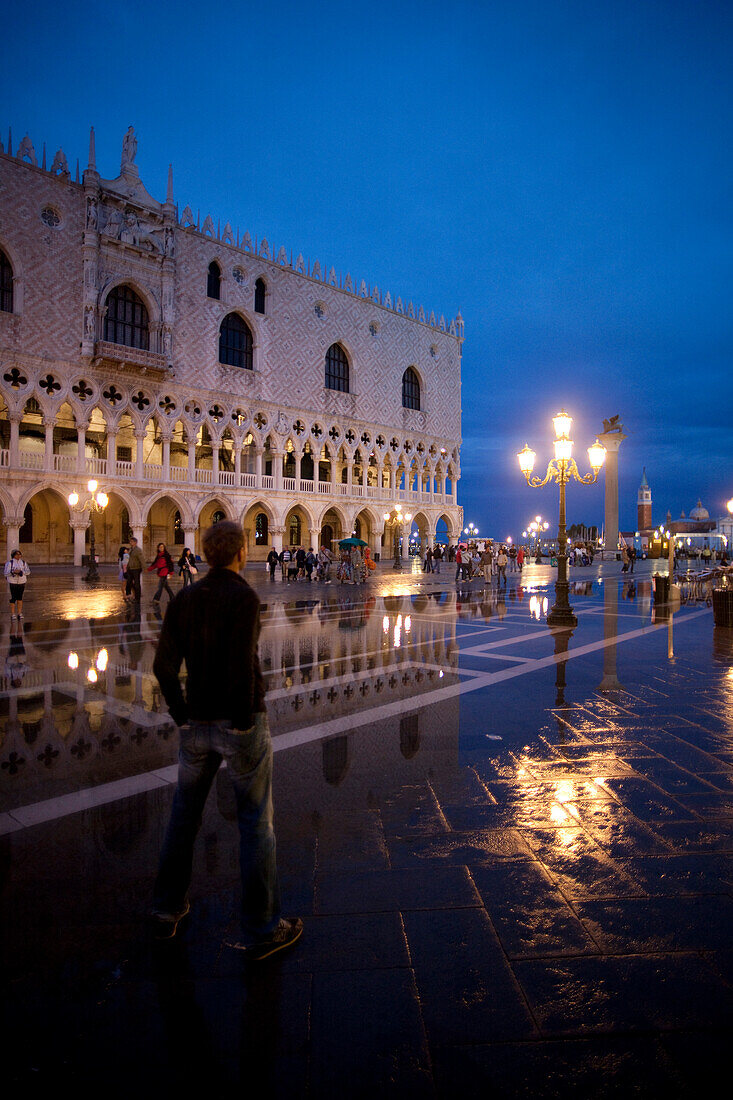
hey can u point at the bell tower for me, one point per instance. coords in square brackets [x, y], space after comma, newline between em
[644, 505]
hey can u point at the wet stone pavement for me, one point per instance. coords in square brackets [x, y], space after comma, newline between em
[512, 848]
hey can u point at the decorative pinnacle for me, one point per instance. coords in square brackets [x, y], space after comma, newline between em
[92, 166]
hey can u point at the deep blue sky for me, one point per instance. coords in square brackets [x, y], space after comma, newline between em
[558, 171]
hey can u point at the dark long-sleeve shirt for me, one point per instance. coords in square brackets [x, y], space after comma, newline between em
[214, 627]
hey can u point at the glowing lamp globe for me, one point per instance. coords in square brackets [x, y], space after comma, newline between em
[563, 449]
[562, 423]
[596, 455]
[526, 459]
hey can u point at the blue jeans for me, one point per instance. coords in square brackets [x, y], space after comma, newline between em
[248, 754]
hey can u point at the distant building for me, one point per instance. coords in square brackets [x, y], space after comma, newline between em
[200, 374]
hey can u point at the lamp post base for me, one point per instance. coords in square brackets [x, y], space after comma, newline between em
[92, 574]
[561, 613]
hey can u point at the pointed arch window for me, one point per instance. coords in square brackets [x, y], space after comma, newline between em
[337, 369]
[410, 390]
[213, 281]
[126, 320]
[6, 283]
[235, 342]
[261, 531]
[260, 291]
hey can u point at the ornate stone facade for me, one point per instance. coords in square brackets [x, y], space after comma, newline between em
[184, 367]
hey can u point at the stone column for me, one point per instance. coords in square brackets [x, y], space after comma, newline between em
[215, 448]
[315, 538]
[111, 453]
[12, 534]
[258, 467]
[166, 459]
[192, 459]
[276, 538]
[277, 468]
[189, 538]
[81, 442]
[48, 441]
[79, 526]
[139, 440]
[611, 440]
[14, 440]
[237, 464]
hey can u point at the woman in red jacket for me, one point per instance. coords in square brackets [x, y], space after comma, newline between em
[163, 566]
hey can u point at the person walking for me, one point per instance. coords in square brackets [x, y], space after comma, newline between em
[325, 560]
[520, 558]
[163, 566]
[357, 566]
[486, 564]
[123, 557]
[625, 558]
[135, 566]
[214, 627]
[187, 566]
[512, 555]
[632, 558]
[437, 557]
[17, 571]
[273, 560]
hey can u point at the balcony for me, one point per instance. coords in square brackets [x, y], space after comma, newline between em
[120, 357]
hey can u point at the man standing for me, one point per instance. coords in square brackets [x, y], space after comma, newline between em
[214, 626]
[135, 566]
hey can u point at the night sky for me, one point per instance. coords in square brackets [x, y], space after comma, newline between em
[558, 171]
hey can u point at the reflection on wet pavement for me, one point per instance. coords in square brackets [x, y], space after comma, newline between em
[528, 834]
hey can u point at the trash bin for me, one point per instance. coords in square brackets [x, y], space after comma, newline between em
[661, 588]
[723, 606]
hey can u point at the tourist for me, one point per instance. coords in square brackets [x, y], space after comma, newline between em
[501, 563]
[292, 566]
[310, 563]
[520, 558]
[163, 566]
[16, 571]
[625, 558]
[284, 559]
[357, 566]
[300, 562]
[487, 562]
[512, 559]
[273, 559]
[369, 563]
[187, 566]
[221, 717]
[135, 566]
[343, 573]
[437, 557]
[428, 563]
[632, 558]
[325, 560]
[123, 557]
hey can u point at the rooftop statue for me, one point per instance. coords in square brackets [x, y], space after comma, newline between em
[129, 147]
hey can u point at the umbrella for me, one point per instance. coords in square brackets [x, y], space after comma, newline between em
[353, 542]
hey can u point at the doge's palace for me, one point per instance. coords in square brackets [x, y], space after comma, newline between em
[198, 373]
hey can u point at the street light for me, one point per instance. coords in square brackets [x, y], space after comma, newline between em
[395, 519]
[562, 468]
[471, 531]
[535, 530]
[95, 502]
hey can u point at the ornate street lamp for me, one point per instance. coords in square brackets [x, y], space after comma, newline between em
[95, 502]
[395, 519]
[562, 468]
[471, 531]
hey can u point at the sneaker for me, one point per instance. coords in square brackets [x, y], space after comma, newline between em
[288, 932]
[164, 925]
